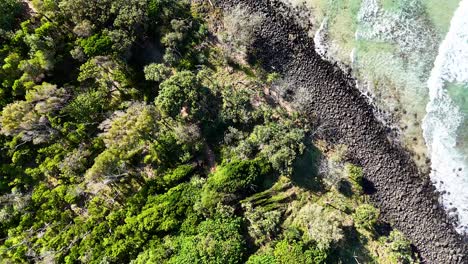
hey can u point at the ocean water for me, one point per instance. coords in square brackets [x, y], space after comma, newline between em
[410, 58]
[446, 123]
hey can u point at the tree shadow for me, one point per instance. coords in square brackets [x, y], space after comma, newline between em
[305, 173]
[345, 188]
[146, 52]
[368, 187]
[354, 251]
[268, 181]
[383, 229]
[239, 67]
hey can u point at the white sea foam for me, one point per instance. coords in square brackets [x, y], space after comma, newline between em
[443, 122]
[395, 51]
[402, 27]
[320, 39]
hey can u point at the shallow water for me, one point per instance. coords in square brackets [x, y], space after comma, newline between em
[411, 58]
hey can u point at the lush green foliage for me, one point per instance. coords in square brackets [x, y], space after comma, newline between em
[183, 95]
[10, 10]
[366, 217]
[400, 248]
[96, 44]
[238, 176]
[127, 137]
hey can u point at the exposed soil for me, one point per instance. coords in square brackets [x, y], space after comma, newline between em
[406, 198]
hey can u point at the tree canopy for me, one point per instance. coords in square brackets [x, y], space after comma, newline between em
[130, 133]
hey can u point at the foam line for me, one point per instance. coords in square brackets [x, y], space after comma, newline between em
[442, 124]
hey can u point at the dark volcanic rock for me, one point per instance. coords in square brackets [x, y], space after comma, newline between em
[404, 197]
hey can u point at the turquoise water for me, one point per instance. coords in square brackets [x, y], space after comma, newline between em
[411, 57]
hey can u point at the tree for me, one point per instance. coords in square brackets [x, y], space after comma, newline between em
[30, 119]
[99, 13]
[97, 44]
[9, 72]
[37, 46]
[155, 253]
[400, 248]
[125, 135]
[237, 108]
[237, 176]
[355, 174]
[108, 75]
[278, 142]
[319, 226]
[174, 177]
[181, 39]
[233, 179]
[183, 96]
[218, 241]
[240, 26]
[115, 24]
[75, 162]
[83, 29]
[121, 14]
[10, 10]
[129, 131]
[262, 258]
[165, 213]
[156, 72]
[88, 106]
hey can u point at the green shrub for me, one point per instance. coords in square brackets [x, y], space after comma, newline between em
[156, 72]
[263, 224]
[155, 253]
[319, 225]
[287, 252]
[218, 241]
[355, 173]
[176, 176]
[239, 175]
[366, 217]
[400, 248]
[272, 77]
[355, 176]
[97, 44]
[262, 258]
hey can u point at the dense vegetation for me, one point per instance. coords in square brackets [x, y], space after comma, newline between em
[135, 132]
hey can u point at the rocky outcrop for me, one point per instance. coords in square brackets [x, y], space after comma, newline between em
[406, 198]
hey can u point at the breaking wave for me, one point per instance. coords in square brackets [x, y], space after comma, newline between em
[445, 124]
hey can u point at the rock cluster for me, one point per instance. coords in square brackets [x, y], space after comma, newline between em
[406, 198]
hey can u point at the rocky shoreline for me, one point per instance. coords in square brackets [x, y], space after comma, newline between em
[406, 198]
